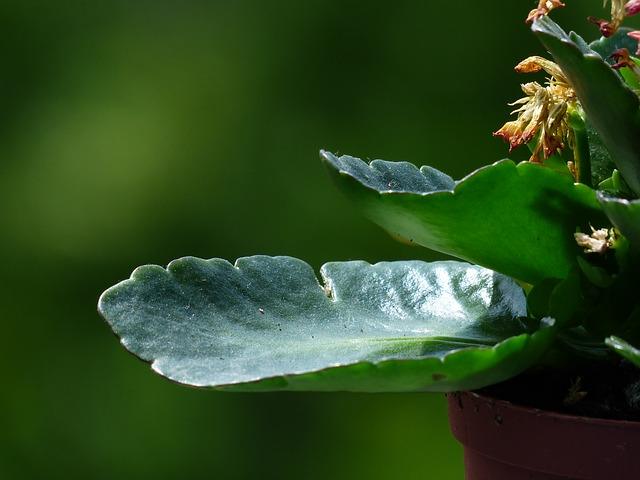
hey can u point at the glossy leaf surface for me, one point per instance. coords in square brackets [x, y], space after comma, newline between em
[518, 220]
[611, 107]
[266, 323]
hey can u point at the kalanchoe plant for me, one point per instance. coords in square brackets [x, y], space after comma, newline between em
[554, 246]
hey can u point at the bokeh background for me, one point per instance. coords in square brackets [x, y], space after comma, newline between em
[136, 132]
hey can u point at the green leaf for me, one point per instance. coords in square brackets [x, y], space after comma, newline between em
[266, 323]
[518, 220]
[624, 349]
[624, 215]
[611, 107]
[606, 46]
[598, 276]
[560, 299]
[615, 185]
[631, 78]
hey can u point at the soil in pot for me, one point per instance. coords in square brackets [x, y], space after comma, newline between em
[543, 426]
[609, 390]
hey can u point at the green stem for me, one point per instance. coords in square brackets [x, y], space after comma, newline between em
[581, 154]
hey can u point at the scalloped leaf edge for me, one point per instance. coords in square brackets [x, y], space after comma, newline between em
[461, 184]
[579, 193]
[303, 381]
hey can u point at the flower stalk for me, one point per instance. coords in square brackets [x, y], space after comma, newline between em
[580, 146]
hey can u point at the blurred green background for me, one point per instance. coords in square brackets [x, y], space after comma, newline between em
[136, 132]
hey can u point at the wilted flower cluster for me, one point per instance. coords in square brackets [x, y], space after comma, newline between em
[623, 59]
[544, 7]
[542, 112]
[620, 9]
[598, 242]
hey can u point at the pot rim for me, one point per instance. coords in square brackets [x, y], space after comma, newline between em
[565, 417]
[535, 440]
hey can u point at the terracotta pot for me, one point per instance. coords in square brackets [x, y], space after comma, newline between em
[503, 441]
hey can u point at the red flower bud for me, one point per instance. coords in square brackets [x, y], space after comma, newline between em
[632, 7]
[606, 28]
[622, 59]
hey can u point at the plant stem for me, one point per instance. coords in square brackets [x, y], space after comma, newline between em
[581, 154]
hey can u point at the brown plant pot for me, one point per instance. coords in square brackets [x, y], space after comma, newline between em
[503, 441]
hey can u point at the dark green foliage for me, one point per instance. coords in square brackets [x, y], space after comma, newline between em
[515, 219]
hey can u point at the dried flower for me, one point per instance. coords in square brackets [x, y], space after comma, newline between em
[598, 242]
[620, 9]
[542, 111]
[632, 8]
[544, 7]
[623, 59]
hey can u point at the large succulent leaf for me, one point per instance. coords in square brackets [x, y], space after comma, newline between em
[611, 107]
[518, 220]
[624, 349]
[266, 323]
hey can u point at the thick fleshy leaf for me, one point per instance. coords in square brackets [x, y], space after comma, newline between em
[624, 349]
[266, 323]
[518, 220]
[624, 215]
[611, 107]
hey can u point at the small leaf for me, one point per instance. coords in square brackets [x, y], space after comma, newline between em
[624, 349]
[631, 78]
[518, 220]
[624, 215]
[611, 107]
[615, 185]
[266, 323]
[606, 46]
